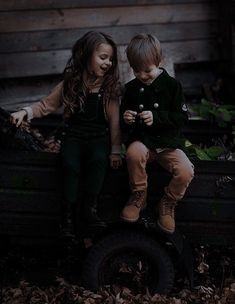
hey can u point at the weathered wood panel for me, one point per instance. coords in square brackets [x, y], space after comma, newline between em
[33, 202]
[42, 4]
[206, 210]
[53, 62]
[85, 18]
[209, 233]
[194, 74]
[24, 178]
[64, 39]
[36, 38]
[29, 226]
[18, 93]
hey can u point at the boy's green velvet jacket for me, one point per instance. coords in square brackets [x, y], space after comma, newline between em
[164, 97]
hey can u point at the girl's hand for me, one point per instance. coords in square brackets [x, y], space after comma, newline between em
[115, 161]
[147, 117]
[52, 145]
[18, 117]
[129, 117]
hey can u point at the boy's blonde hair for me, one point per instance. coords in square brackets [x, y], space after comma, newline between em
[144, 50]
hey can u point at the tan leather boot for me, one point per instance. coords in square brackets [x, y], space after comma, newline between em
[135, 204]
[166, 219]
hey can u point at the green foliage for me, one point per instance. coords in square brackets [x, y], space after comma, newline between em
[221, 114]
[211, 153]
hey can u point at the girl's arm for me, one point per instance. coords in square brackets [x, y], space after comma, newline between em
[47, 105]
[114, 124]
[115, 133]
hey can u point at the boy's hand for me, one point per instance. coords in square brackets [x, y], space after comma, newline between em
[129, 117]
[18, 117]
[147, 117]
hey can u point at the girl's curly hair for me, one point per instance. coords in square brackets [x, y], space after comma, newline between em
[75, 88]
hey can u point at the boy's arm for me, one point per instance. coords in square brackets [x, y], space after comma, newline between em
[176, 116]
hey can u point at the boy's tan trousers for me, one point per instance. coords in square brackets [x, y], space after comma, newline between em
[173, 160]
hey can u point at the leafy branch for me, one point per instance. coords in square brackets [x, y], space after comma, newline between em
[223, 115]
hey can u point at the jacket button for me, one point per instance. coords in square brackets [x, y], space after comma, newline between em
[156, 105]
[141, 90]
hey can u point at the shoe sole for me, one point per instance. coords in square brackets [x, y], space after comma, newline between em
[134, 220]
[129, 220]
[164, 229]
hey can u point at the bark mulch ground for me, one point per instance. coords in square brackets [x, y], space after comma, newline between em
[27, 279]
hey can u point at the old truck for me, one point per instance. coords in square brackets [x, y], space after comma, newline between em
[138, 254]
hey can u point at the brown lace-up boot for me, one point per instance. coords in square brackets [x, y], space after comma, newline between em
[166, 219]
[135, 204]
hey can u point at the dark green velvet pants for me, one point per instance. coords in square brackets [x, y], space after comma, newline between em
[85, 163]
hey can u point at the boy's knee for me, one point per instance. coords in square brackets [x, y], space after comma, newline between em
[185, 174]
[136, 153]
[134, 156]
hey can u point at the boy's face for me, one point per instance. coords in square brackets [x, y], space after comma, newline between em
[101, 60]
[148, 74]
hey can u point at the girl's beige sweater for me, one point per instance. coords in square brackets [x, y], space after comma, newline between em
[55, 100]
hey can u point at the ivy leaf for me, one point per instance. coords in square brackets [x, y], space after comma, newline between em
[214, 151]
[226, 115]
[195, 150]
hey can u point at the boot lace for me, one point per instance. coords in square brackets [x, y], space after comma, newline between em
[168, 208]
[137, 199]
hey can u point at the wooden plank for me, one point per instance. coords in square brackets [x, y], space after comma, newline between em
[29, 225]
[22, 212]
[22, 92]
[214, 167]
[33, 64]
[173, 53]
[25, 158]
[64, 39]
[33, 202]
[194, 75]
[208, 189]
[23, 177]
[16, 94]
[42, 4]
[46, 63]
[101, 17]
[206, 210]
[208, 233]
[225, 32]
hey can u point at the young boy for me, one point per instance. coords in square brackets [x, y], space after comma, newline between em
[153, 111]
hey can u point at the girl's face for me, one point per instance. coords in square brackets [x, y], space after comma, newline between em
[101, 60]
[148, 74]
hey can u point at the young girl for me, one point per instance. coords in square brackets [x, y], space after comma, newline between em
[153, 112]
[89, 94]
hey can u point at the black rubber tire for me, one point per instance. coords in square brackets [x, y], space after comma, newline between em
[110, 252]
